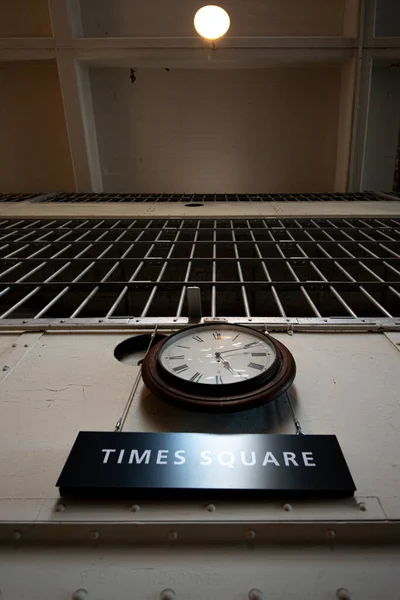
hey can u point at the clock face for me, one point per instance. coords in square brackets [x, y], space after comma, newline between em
[215, 355]
[218, 367]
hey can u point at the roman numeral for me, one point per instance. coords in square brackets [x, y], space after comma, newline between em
[180, 369]
[218, 379]
[217, 335]
[186, 347]
[235, 337]
[175, 357]
[255, 354]
[197, 338]
[255, 366]
[196, 377]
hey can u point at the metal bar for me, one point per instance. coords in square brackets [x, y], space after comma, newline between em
[105, 277]
[76, 279]
[375, 302]
[214, 274]
[187, 274]
[334, 291]
[159, 278]
[302, 289]
[364, 291]
[240, 274]
[121, 422]
[267, 275]
[194, 303]
[97, 248]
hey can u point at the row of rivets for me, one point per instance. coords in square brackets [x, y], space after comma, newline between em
[250, 534]
[168, 594]
[209, 507]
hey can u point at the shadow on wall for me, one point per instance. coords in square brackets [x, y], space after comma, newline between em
[274, 417]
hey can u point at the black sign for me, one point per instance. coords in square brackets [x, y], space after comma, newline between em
[102, 463]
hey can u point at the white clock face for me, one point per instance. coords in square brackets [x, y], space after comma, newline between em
[217, 356]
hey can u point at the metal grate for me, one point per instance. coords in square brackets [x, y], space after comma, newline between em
[244, 267]
[18, 197]
[188, 198]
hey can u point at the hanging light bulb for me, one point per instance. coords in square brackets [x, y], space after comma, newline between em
[211, 22]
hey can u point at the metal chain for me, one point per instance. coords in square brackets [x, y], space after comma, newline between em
[121, 421]
[296, 422]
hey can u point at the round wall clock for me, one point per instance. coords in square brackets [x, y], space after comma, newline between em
[218, 367]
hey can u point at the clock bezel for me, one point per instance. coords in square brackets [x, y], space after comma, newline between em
[228, 397]
[215, 389]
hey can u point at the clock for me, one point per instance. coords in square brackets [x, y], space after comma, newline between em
[219, 368]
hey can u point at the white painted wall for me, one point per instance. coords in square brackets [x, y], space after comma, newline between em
[209, 130]
[383, 129]
[58, 384]
[175, 17]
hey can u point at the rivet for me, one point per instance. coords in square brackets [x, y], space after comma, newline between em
[100, 320]
[325, 320]
[249, 319]
[211, 507]
[172, 535]
[330, 533]
[287, 507]
[250, 534]
[24, 321]
[16, 535]
[255, 594]
[61, 507]
[343, 594]
[80, 594]
[362, 506]
[14, 345]
[62, 321]
[94, 535]
[26, 345]
[167, 594]
[135, 508]
[174, 320]
[5, 368]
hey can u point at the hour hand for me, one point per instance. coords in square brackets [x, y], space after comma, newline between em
[228, 366]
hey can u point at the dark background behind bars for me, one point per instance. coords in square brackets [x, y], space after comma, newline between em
[245, 267]
[67, 197]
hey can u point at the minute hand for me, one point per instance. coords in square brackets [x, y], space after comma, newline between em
[242, 348]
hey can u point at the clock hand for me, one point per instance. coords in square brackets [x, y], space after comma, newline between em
[237, 349]
[228, 366]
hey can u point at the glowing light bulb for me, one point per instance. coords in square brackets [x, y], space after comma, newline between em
[211, 22]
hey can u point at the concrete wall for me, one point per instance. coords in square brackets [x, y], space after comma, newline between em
[345, 125]
[383, 129]
[208, 130]
[34, 149]
[175, 17]
[24, 18]
[387, 20]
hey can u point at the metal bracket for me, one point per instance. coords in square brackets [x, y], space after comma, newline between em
[193, 296]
